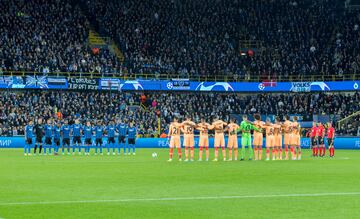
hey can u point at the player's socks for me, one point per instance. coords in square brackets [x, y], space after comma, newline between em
[299, 153]
[267, 153]
[171, 152]
[316, 151]
[223, 152]
[192, 153]
[332, 151]
[235, 153]
[216, 152]
[280, 153]
[133, 149]
[292, 150]
[273, 153]
[101, 150]
[207, 153]
[260, 153]
[35, 148]
[179, 153]
[230, 153]
[40, 149]
[251, 153]
[186, 153]
[256, 153]
[286, 152]
[200, 153]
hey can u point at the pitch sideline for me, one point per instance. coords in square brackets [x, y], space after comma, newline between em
[180, 198]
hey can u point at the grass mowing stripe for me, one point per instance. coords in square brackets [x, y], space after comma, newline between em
[182, 198]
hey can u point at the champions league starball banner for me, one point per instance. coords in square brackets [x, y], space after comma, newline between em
[146, 85]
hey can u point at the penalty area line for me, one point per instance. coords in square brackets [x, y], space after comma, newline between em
[180, 198]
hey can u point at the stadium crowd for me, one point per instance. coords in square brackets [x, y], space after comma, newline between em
[183, 37]
[16, 108]
[48, 36]
[201, 37]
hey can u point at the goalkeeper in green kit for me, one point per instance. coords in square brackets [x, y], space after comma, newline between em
[246, 126]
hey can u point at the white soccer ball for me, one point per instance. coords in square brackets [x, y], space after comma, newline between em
[154, 155]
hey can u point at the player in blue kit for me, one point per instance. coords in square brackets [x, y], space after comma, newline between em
[76, 133]
[29, 134]
[48, 136]
[110, 129]
[65, 132]
[88, 132]
[57, 137]
[132, 133]
[99, 132]
[122, 130]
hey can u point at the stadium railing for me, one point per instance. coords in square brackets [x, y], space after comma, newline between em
[211, 77]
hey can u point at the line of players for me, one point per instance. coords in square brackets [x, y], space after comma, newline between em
[56, 135]
[287, 132]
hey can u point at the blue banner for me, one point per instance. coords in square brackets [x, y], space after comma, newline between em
[170, 85]
[340, 142]
[33, 82]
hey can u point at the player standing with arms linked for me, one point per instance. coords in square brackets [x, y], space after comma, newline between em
[110, 129]
[232, 139]
[99, 132]
[188, 130]
[295, 140]
[246, 126]
[277, 139]
[203, 139]
[219, 138]
[174, 135]
[39, 133]
[270, 141]
[287, 135]
[76, 133]
[330, 139]
[258, 137]
[29, 134]
[132, 133]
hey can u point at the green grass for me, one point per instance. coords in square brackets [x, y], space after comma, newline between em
[77, 178]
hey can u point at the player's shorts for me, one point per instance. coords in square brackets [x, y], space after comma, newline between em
[111, 140]
[57, 141]
[88, 141]
[48, 141]
[38, 139]
[313, 141]
[258, 140]
[66, 141]
[204, 142]
[330, 142]
[122, 139]
[189, 141]
[98, 141]
[287, 138]
[232, 142]
[295, 140]
[270, 141]
[131, 141]
[28, 140]
[278, 141]
[321, 140]
[219, 140]
[77, 140]
[174, 142]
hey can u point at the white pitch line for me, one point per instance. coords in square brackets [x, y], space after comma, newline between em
[180, 198]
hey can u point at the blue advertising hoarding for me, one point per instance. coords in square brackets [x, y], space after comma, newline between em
[340, 142]
[33, 82]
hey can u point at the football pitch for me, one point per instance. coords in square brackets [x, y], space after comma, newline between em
[141, 186]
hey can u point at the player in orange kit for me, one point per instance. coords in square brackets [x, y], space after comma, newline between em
[187, 128]
[287, 135]
[219, 139]
[295, 139]
[258, 137]
[269, 130]
[174, 135]
[203, 127]
[277, 139]
[232, 139]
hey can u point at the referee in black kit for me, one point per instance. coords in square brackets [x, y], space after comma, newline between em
[39, 133]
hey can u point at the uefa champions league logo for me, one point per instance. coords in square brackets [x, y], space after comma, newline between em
[356, 86]
[135, 84]
[170, 85]
[261, 86]
[226, 86]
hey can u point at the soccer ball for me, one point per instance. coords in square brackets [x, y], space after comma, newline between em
[154, 155]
